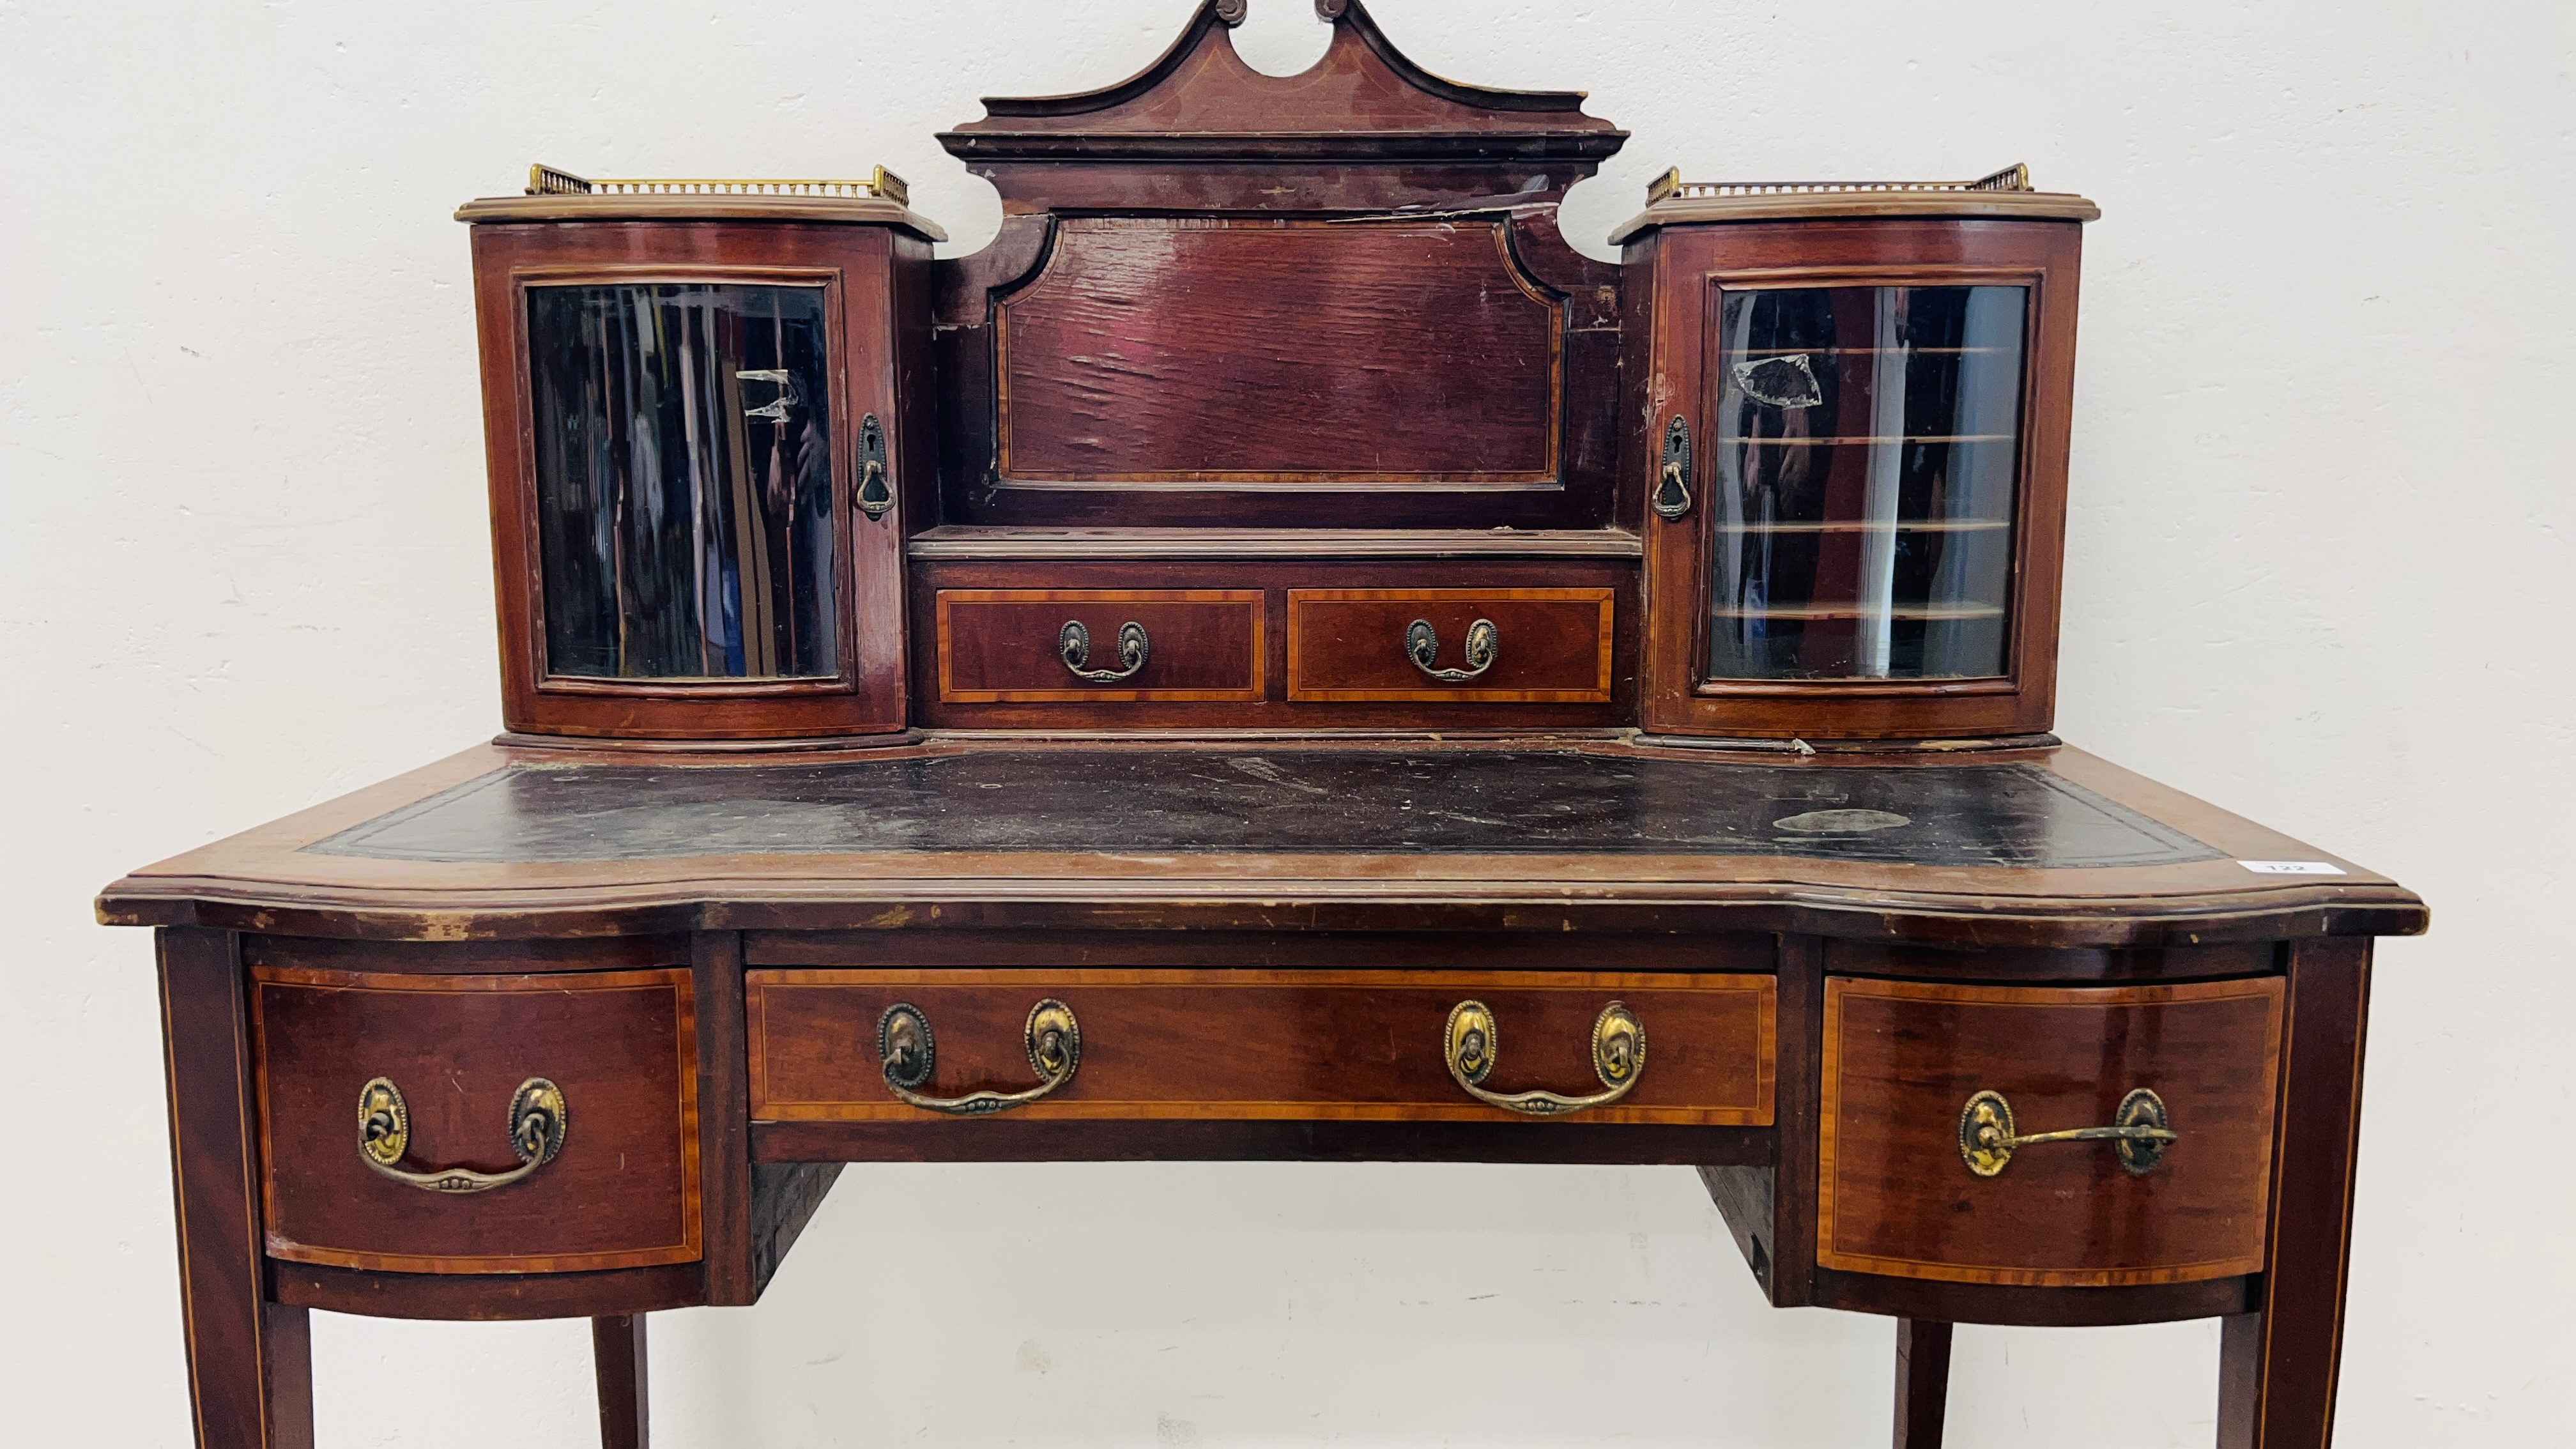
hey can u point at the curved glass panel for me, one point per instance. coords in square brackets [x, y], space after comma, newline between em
[684, 481]
[1868, 440]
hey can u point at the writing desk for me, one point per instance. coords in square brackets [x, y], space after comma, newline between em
[1261, 946]
[1278, 655]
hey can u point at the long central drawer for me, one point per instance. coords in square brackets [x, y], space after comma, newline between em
[1247, 1044]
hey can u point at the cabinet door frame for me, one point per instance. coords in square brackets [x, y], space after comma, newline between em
[1692, 267]
[856, 268]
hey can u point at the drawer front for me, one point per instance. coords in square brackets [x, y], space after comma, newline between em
[622, 1191]
[1003, 646]
[1551, 646]
[1214, 1044]
[1902, 1061]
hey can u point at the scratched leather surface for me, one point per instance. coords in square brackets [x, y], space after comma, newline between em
[1288, 801]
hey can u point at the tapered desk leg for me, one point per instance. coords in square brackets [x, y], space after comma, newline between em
[2276, 1381]
[618, 1345]
[250, 1361]
[1922, 1382]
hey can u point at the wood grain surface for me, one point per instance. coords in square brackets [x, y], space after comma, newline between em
[1000, 646]
[1254, 1045]
[1901, 1059]
[623, 1193]
[1555, 645]
[1276, 581]
[1272, 352]
[250, 1358]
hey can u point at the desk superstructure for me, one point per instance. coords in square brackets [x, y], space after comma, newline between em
[1277, 656]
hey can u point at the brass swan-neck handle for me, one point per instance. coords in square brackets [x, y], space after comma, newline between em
[1073, 646]
[1987, 1140]
[1618, 1059]
[905, 1047]
[1422, 646]
[538, 1121]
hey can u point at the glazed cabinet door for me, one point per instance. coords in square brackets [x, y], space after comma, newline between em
[1857, 477]
[697, 439]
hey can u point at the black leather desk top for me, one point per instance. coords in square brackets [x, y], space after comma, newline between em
[1284, 802]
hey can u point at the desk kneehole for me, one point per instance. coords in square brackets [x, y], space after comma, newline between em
[2058, 1137]
[934, 1046]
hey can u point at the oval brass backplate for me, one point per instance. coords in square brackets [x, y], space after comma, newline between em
[2141, 1108]
[904, 1045]
[1618, 1045]
[384, 1122]
[1986, 1133]
[1054, 1040]
[1471, 1040]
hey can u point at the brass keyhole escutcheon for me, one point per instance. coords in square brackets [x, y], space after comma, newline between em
[875, 495]
[1671, 499]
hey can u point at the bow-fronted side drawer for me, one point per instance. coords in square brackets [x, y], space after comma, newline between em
[478, 1123]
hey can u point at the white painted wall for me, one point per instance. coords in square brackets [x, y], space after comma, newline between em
[2320, 574]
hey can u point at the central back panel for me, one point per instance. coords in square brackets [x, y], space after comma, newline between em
[1335, 300]
[1274, 354]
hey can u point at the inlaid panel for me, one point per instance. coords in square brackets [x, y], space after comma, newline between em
[1902, 1061]
[1550, 646]
[1007, 645]
[1252, 1045]
[1277, 353]
[622, 1192]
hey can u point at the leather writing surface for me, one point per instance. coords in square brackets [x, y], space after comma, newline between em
[1289, 801]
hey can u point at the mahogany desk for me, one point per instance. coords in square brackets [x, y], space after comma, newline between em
[1823, 963]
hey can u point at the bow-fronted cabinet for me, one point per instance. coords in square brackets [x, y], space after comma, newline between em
[703, 402]
[1853, 443]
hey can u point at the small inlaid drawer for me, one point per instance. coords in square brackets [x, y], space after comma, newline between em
[1046, 646]
[2041, 1136]
[478, 1124]
[1492, 646]
[914, 1045]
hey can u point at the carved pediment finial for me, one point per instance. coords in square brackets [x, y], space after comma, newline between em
[1364, 103]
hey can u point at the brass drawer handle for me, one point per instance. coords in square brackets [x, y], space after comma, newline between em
[1987, 1140]
[1618, 1058]
[1422, 646]
[538, 1121]
[1073, 646]
[904, 1045]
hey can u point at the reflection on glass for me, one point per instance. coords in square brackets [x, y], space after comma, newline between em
[684, 481]
[1867, 441]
